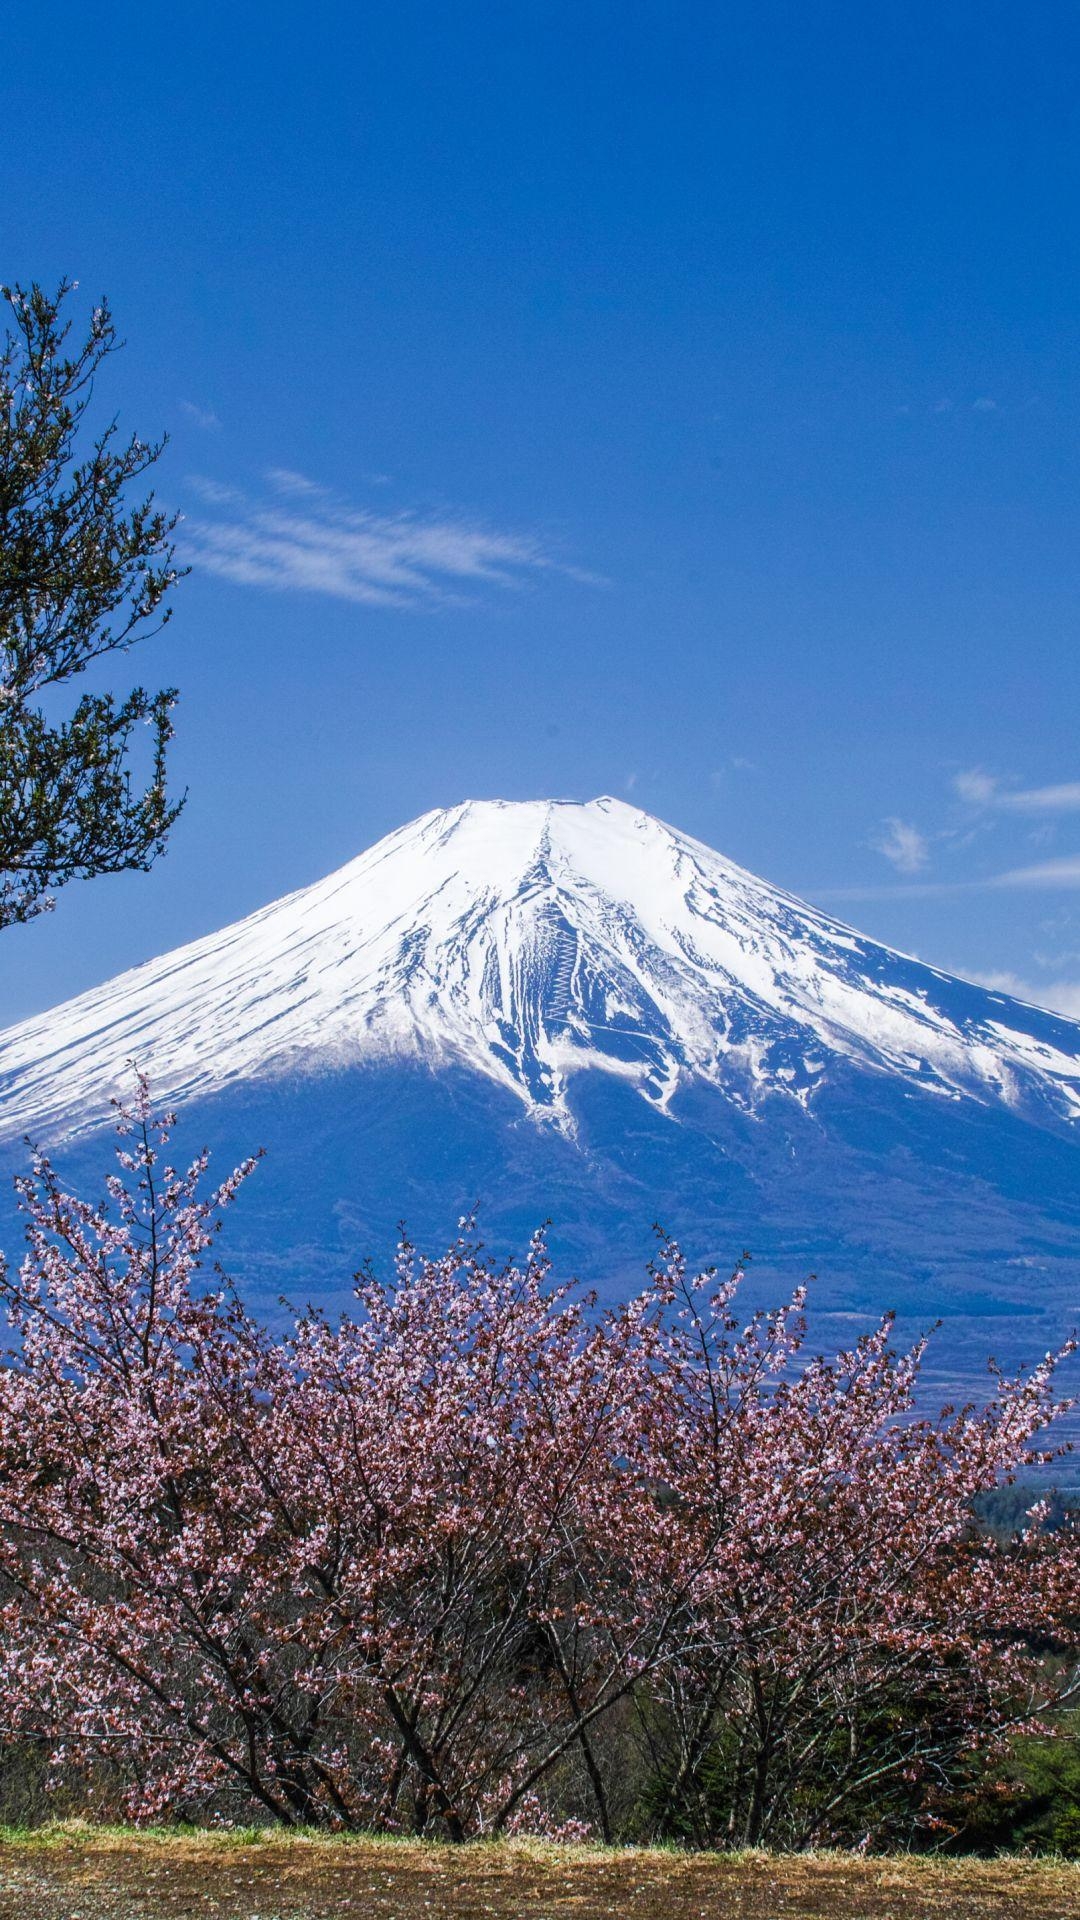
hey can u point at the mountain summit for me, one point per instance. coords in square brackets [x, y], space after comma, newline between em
[527, 943]
[573, 1011]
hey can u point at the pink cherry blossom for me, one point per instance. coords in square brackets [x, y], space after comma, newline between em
[442, 1564]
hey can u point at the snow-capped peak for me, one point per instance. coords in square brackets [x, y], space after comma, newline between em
[529, 941]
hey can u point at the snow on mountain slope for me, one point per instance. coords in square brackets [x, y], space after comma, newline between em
[526, 942]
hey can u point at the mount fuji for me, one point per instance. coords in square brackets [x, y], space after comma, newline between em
[574, 1011]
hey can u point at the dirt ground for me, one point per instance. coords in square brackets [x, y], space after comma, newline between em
[81, 1876]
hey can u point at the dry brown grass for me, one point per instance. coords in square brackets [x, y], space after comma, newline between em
[78, 1874]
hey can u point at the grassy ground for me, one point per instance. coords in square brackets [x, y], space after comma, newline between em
[79, 1874]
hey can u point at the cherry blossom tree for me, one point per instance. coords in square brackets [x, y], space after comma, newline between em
[422, 1568]
[852, 1635]
[322, 1568]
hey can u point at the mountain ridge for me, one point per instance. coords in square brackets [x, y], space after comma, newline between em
[531, 942]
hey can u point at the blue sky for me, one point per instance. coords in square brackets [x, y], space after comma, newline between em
[680, 403]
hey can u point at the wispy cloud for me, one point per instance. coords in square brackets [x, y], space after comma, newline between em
[203, 417]
[981, 789]
[903, 846]
[1061, 996]
[287, 480]
[213, 492]
[1044, 876]
[975, 787]
[298, 537]
[983, 403]
[1045, 873]
[891, 890]
[737, 764]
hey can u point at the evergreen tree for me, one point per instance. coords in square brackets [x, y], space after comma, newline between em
[83, 573]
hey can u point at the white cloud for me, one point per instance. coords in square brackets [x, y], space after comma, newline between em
[1064, 798]
[287, 480]
[306, 541]
[1045, 873]
[903, 845]
[980, 789]
[1045, 876]
[212, 491]
[203, 417]
[991, 801]
[1061, 996]
[976, 787]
